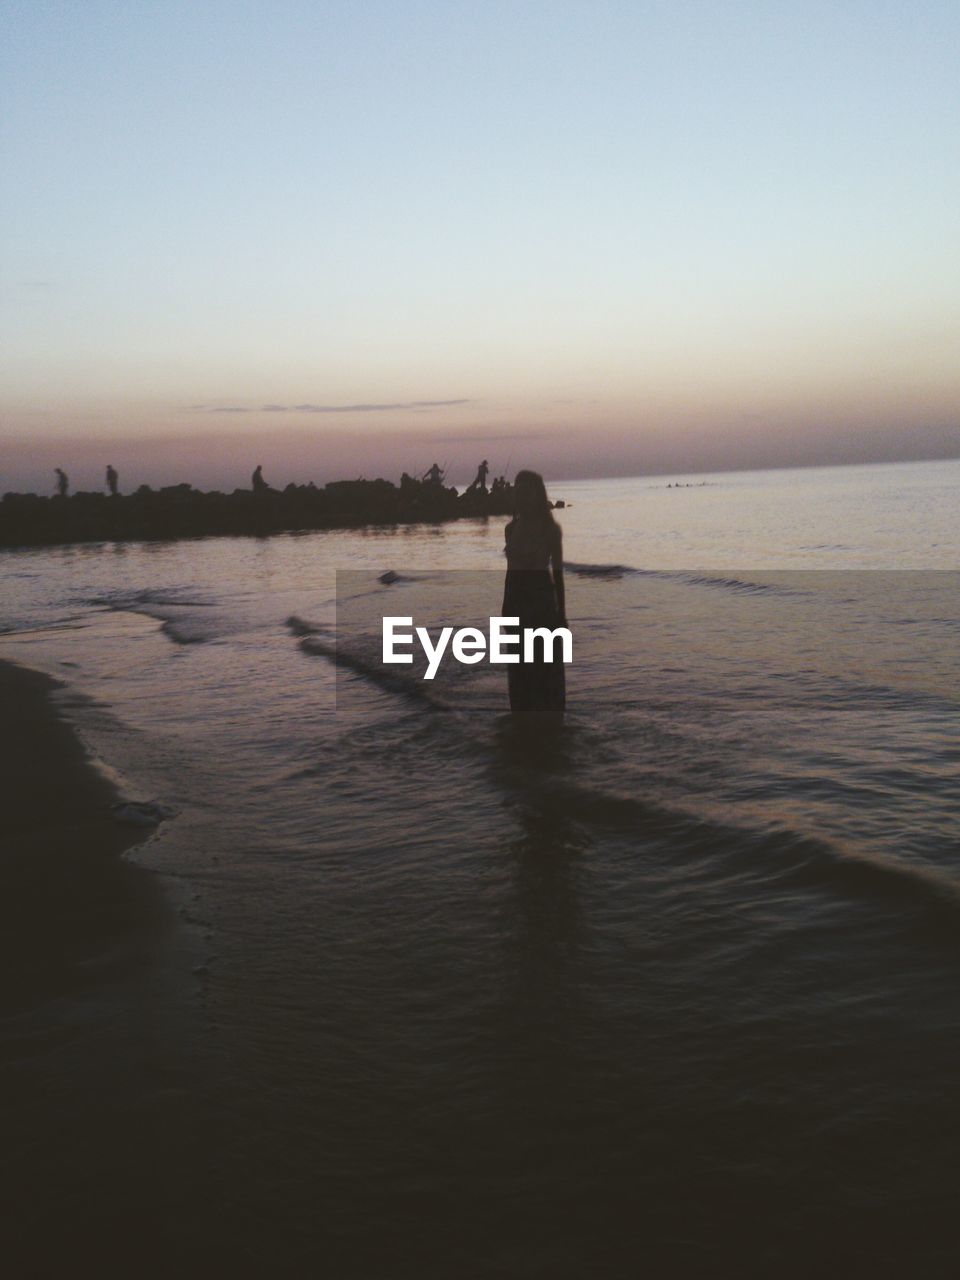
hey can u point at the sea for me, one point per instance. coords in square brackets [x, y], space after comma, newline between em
[673, 991]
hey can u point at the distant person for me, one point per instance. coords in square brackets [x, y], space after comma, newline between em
[63, 484]
[112, 479]
[534, 593]
[479, 482]
[434, 475]
[257, 480]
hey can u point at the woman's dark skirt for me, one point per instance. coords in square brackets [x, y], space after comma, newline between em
[538, 689]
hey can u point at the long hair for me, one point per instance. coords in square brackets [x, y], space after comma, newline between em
[532, 482]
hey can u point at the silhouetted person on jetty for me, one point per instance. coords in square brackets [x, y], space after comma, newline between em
[112, 479]
[534, 593]
[480, 480]
[434, 475]
[63, 484]
[257, 480]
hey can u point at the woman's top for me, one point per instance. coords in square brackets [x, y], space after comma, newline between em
[530, 544]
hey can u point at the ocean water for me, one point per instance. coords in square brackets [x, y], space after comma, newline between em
[673, 991]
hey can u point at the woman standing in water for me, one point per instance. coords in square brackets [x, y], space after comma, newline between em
[534, 593]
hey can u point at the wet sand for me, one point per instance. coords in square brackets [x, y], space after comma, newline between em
[71, 909]
[96, 1114]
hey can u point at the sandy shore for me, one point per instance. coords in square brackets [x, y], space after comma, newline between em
[68, 902]
[97, 1114]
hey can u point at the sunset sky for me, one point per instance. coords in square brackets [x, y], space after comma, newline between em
[595, 237]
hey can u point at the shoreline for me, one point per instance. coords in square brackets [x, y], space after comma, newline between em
[99, 1106]
[60, 852]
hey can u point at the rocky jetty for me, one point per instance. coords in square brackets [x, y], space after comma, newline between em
[180, 511]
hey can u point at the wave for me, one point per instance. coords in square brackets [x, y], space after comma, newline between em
[599, 570]
[141, 813]
[542, 775]
[157, 603]
[319, 639]
[739, 585]
[898, 882]
[75, 622]
[723, 582]
[183, 630]
[772, 859]
[135, 601]
[302, 627]
[372, 671]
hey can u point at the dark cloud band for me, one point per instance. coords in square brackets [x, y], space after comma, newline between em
[332, 408]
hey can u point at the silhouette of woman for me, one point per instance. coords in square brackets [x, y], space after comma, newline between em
[534, 593]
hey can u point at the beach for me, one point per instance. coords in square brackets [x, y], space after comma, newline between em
[71, 907]
[96, 1139]
[479, 641]
[390, 991]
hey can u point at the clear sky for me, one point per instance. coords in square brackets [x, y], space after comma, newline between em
[600, 237]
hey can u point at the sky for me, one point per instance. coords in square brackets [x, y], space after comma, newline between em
[345, 237]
